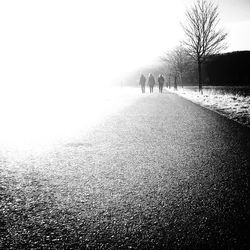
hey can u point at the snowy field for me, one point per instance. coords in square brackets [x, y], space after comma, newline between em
[233, 102]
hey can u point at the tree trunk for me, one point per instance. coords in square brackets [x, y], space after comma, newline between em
[199, 76]
[181, 80]
[175, 82]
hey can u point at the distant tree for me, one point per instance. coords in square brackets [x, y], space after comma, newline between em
[177, 61]
[203, 38]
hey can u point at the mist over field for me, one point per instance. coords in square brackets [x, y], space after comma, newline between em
[47, 118]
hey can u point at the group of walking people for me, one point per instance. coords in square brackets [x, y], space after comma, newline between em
[151, 82]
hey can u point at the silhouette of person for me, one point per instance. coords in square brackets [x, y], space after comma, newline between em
[142, 82]
[151, 82]
[161, 82]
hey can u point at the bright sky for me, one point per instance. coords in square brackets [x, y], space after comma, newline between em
[52, 50]
[71, 42]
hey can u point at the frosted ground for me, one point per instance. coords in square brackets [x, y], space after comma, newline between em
[235, 106]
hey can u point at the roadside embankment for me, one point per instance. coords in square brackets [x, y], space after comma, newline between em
[233, 106]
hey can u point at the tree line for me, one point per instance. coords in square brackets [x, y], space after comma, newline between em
[230, 68]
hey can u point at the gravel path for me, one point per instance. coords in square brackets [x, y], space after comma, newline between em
[162, 173]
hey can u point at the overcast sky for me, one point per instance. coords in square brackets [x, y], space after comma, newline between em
[54, 42]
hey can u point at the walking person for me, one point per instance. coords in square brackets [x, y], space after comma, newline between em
[151, 82]
[142, 83]
[161, 82]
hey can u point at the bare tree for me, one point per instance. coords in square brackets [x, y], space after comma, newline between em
[203, 38]
[180, 62]
[165, 68]
[176, 61]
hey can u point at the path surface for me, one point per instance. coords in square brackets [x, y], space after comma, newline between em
[162, 173]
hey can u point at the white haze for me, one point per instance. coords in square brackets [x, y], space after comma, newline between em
[57, 57]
